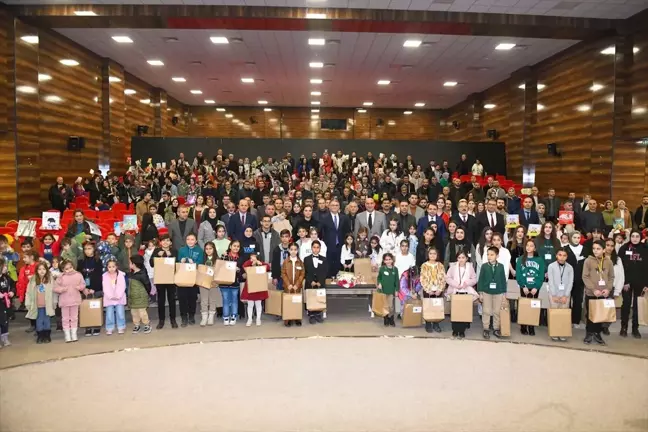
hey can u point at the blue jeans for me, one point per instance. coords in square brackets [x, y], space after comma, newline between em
[230, 301]
[112, 312]
[42, 320]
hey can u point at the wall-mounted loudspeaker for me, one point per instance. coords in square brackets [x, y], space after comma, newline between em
[553, 150]
[380, 122]
[174, 120]
[253, 120]
[75, 143]
[455, 124]
[492, 134]
[142, 130]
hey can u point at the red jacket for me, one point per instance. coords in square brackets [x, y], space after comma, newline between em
[26, 272]
[56, 248]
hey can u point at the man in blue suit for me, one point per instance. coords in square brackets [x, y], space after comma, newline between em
[528, 216]
[430, 219]
[241, 219]
[335, 226]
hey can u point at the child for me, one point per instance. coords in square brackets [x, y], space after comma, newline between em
[293, 275]
[49, 247]
[165, 290]
[491, 288]
[619, 276]
[547, 243]
[279, 255]
[391, 238]
[91, 269]
[68, 253]
[598, 277]
[55, 272]
[11, 257]
[39, 302]
[114, 289]
[128, 246]
[387, 283]
[634, 256]
[138, 293]
[529, 273]
[148, 253]
[26, 272]
[413, 239]
[7, 292]
[187, 297]
[208, 295]
[461, 278]
[221, 242]
[362, 243]
[375, 252]
[348, 253]
[316, 267]
[69, 286]
[433, 283]
[561, 279]
[230, 292]
[254, 299]
[504, 255]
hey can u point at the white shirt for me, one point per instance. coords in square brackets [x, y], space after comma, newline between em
[390, 242]
[492, 219]
[404, 262]
[294, 266]
[346, 254]
[305, 248]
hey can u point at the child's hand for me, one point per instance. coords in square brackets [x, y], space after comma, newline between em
[534, 291]
[183, 260]
[565, 300]
[525, 291]
[10, 294]
[161, 253]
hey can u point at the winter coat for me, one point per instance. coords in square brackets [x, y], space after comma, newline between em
[432, 277]
[292, 276]
[139, 288]
[245, 295]
[592, 275]
[461, 280]
[69, 286]
[31, 302]
[92, 271]
[114, 289]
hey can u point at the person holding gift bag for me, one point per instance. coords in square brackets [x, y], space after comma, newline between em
[230, 292]
[208, 295]
[433, 283]
[387, 283]
[253, 299]
[491, 287]
[191, 253]
[316, 267]
[530, 273]
[138, 294]
[619, 276]
[91, 269]
[293, 275]
[598, 277]
[634, 255]
[114, 288]
[561, 280]
[39, 302]
[461, 279]
[69, 287]
[165, 291]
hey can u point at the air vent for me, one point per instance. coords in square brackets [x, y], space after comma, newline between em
[329, 65]
[235, 40]
[195, 63]
[170, 39]
[333, 41]
[250, 63]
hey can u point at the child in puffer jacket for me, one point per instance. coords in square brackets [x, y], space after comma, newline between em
[114, 289]
[138, 294]
[409, 286]
[69, 287]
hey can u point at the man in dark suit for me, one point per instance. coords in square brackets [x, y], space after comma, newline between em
[491, 219]
[403, 217]
[429, 219]
[462, 218]
[316, 267]
[552, 205]
[241, 219]
[580, 204]
[181, 227]
[528, 215]
[335, 226]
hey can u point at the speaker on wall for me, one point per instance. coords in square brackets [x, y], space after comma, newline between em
[553, 150]
[75, 143]
[174, 120]
[142, 130]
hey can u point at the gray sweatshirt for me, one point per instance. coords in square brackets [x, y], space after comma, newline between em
[553, 274]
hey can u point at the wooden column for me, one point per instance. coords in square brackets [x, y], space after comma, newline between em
[477, 105]
[113, 105]
[515, 142]
[8, 185]
[530, 119]
[159, 101]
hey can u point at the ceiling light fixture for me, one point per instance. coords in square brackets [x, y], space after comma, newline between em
[26, 89]
[247, 80]
[69, 62]
[129, 91]
[362, 111]
[84, 13]
[639, 110]
[145, 101]
[383, 82]
[316, 81]
[407, 112]
[316, 64]
[155, 62]
[179, 79]
[122, 39]
[540, 107]
[317, 41]
[316, 93]
[315, 102]
[315, 110]
[391, 122]
[539, 86]
[263, 102]
[583, 108]
[367, 103]
[219, 40]
[449, 83]
[267, 109]
[30, 39]
[596, 87]
[314, 117]
[229, 115]
[196, 92]
[505, 46]
[114, 79]
[53, 98]
[412, 43]
[44, 77]
[419, 104]
[489, 106]
[210, 101]
[316, 16]
[220, 109]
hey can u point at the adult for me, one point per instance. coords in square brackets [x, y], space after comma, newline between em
[414, 208]
[431, 218]
[591, 219]
[352, 212]
[513, 204]
[552, 205]
[335, 226]
[535, 197]
[403, 217]
[641, 214]
[491, 218]
[78, 226]
[463, 166]
[580, 204]
[180, 227]
[374, 221]
[240, 220]
[60, 195]
[467, 221]
[477, 168]
[141, 208]
[230, 210]
[527, 214]
[207, 228]
[267, 239]
[634, 256]
[306, 221]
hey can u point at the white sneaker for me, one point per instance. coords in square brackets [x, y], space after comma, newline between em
[210, 318]
[249, 322]
[233, 320]
[258, 320]
[68, 335]
[577, 326]
[226, 321]
[562, 339]
[372, 315]
[203, 320]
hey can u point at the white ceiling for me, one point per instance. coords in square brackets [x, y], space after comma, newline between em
[567, 8]
[281, 60]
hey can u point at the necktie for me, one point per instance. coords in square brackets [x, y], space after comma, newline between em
[463, 218]
[243, 219]
[335, 221]
[528, 216]
[492, 220]
[370, 222]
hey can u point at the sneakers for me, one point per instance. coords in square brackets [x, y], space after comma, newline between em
[562, 339]
[121, 331]
[605, 331]
[288, 323]
[524, 330]
[184, 322]
[160, 325]
[232, 321]
[455, 334]
[96, 332]
[226, 321]
[210, 318]
[497, 334]
[298, 323]
[462, 335]
[436, 327]
[531, 331]
[486, 334]
[576, 326]
[192, 320]
[386, 321]
[636, 334]
[624, 331]
[311, 319]
[320, 317]
[136, 329]
[4, 340]
[39, 337]
[203, 319]
[109, 332]
[88, 332]
[598, 339]
[147, 329]
[249, 322]
[73, 334]
[258, 320]
[428, 327]
[68, 335]
[47, 336]
[555, 339]
[589, 337]
[392, 322]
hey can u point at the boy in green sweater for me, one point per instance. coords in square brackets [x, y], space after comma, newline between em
[530, 275]
[491, 287]
[387, 283]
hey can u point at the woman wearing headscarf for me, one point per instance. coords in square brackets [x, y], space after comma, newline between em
[207, 228]
[459, 243]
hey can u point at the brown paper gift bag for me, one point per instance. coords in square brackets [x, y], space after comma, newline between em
[602, 311]
[205, 276]
[257, 279]
[362, 268]
[413, 314]
[292, 307]
[91, 313]
[164, 270]
[618, 301]
[315, 299]
[529, 311]
[185, 276]
[379, 304]
[559, 322]
[433, 309]
[273, 302]
[225, 272]
[505, 322]
[461, 308]
[642, 309]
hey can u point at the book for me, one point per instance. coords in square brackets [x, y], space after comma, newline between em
[512, 221]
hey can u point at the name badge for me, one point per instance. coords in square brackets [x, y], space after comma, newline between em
[417, 309]
[561, 287]
[629, 253]
[321, 293]
[230, 265]
[169, 261]
[437, 302]
[297, 268]
[190, 267]
[601, 283]
[261, 270]
[492, 285]
[536, 304]
[547, 256]
[386, 273]
[297, 299]
[608, 303]
[94, 304]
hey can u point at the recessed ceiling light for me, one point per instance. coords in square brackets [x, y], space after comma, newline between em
[179, 79]
[315, 110]
[316, 64]
[540, 107]
[316, 93]
[609, 51]
[367, 103]
[412, 43]
[155, 62]
[505, 46]
[540, 86]
[210, 101]
[263, 102]
[114, 79]
[316, 41]
[489, 106]
[220, 109]
[84, 13]
[316, 81]
[391, 122]
[219, 40]
[450, 83]
[247, 80]
[407, 112]
[314, 116]
[419, 104]
[316, 16]
[196, 92]
[26, 89]
[383, 82]
[44, 77]
[30, 39]
[122, 39]
[639, 110]
[596, 87]
[69, 62]
[315, 102]
[130, 91]
[145, 101]
[583, 108]
[53, 98]
[267, 109]
[229, 115]
[361, 111]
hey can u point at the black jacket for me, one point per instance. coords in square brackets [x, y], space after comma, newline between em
[92, 271]
[275, 267]
[143, 278]
[315, 274]
[635, 265]
[301, 222]
[172, 254]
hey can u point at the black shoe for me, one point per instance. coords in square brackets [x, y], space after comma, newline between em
[386, 321]
[455, 334]
[160, 325]
[298, 323]
[96, 332]
[184, 322]
[531, 331]
[436, 327]
[192, 320]
[462, 335]
[598, 339]
[606, 331]
[524, 330]
[392, 322]
[589, 337]
[59, 325]
[497, 334]
[48, 336]
[31, 329]
[636, 334]
[486, 334]
[623, 332]
[88, 332]
[174, 324]
[319, 318]
[288, 323]
[428, 327]
[311, 319]
[39, 338]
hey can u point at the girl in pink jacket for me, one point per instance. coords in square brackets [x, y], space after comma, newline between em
[461, 279]
[69, 286]
[114, 300]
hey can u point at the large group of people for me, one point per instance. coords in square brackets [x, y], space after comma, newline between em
[427, 233]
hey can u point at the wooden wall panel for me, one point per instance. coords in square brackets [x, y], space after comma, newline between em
[420, 125]
[463, 115]
[8, 190]
[113, 104]
[138, 111]
[180, 111]
[235, 122]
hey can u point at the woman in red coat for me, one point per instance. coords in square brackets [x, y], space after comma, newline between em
[254, 299]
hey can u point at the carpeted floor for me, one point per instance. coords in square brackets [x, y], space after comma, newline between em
[330, 384]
